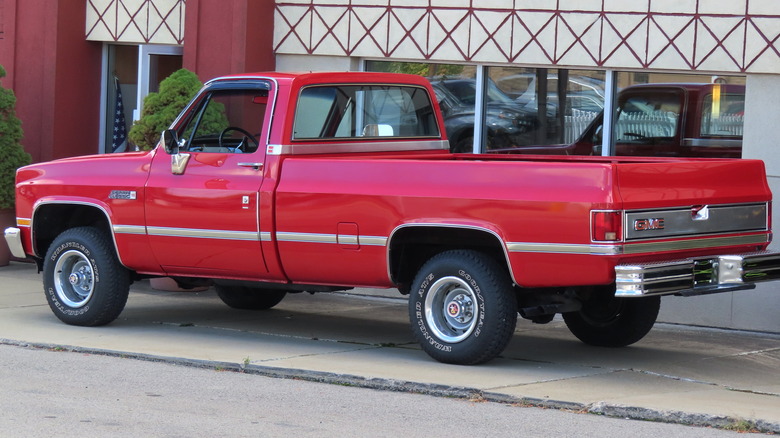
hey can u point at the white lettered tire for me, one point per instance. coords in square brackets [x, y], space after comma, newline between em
[462, 307]
[83, 280]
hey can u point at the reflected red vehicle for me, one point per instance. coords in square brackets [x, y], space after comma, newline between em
[664, 120]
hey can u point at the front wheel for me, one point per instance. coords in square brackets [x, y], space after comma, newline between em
[84, 282]
[607, 321]
[462, 307]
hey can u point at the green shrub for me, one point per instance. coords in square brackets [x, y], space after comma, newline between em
[161, 109]
[12, 155]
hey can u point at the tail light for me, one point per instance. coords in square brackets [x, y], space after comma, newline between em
[769, 220]
[606, 226]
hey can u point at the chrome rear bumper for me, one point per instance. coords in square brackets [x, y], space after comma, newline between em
[13, 236]
[697, 276]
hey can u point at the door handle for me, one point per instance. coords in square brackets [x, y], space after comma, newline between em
[256, 166]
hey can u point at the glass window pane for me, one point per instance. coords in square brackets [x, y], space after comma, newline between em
[122, 71]
[538, 110]
[455, 88]
[354, 111]
[679, 115]
[722, 114]
[227, 121]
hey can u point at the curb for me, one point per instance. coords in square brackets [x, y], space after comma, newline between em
[465, 393]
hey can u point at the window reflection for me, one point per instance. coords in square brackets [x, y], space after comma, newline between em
[560, 111]
[684, 115]
[559, 104]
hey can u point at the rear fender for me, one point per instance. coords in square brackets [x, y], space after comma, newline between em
[411, 244]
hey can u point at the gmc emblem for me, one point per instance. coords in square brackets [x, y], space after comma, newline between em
[649, 224]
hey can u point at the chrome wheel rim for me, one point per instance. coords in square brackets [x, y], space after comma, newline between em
[451, 309]
[74, 280]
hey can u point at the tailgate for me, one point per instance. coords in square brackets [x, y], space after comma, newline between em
[672, 200]
[692, 183]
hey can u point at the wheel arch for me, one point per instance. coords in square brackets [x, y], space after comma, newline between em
[411, 245]
[51, 217]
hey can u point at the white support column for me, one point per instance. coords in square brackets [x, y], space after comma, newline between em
[479, 108]
[104, 78]
[610, 102]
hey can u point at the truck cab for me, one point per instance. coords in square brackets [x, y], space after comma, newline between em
[673, 120]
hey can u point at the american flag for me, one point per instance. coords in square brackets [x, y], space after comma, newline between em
[119, 141]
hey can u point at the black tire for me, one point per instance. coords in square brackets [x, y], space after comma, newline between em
[463, 145]
[84, 282]
[247, 298]
[462, 307]
[607, 321]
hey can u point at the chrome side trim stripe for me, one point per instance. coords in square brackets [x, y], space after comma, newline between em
[203, 234]
[129, 229]
[372, 240]
[357, 145]
[343, 239]
[512, 247]
[348, 239]
[306, 237]
[563, 248]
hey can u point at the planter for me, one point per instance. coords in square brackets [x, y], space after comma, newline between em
[7, 219]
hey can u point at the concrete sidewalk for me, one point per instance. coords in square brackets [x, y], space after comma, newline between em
[676, 374]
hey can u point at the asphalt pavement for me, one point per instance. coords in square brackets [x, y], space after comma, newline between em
[677, 374]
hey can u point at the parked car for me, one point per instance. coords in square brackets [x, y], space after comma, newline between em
[584, 93]
[505, 119]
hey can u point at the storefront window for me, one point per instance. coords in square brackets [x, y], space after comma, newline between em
[560, 111]
[677, 115]
[521, 111]
[546, 107]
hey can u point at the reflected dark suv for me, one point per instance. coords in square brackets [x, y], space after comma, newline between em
[506, 121]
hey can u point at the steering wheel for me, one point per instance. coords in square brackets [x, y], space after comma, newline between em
[241, 143]
[635, 135]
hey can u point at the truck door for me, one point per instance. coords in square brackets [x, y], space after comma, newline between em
[202, 202]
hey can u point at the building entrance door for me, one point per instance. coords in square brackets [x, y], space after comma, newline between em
[130, 73]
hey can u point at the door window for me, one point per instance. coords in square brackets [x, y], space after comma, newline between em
[226, 121]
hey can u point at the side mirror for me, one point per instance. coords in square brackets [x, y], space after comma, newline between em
[170, 141]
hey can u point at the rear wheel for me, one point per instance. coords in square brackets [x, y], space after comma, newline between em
[84, 282]
[462, 307]
[607, 321]
[247, 298]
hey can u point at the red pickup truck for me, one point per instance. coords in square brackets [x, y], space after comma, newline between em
[273, 183]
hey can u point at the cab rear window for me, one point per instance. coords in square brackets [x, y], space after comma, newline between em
[358, 111]
[723, 115]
